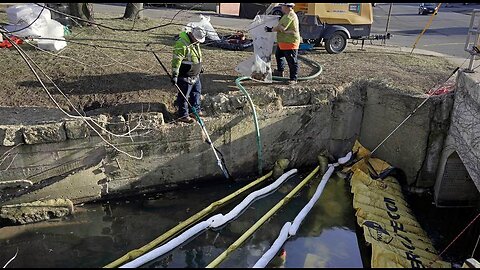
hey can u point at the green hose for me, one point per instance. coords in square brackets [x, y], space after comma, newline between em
[254, 112]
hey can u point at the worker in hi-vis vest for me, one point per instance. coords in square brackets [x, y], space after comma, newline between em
[186, 69]
[288, 42]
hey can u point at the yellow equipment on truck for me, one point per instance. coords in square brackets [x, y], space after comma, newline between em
[334, 23]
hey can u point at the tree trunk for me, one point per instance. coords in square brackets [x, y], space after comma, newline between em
[133, 11]
[82, 10]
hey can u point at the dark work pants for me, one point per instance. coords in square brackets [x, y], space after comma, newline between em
[291, 57]
[192, 92]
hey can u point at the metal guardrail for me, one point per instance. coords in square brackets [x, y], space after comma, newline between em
[472, 43]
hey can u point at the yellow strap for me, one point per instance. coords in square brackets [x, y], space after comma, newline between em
[259, 223]
[133, 254]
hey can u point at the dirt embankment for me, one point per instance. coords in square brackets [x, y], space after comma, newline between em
[93, 72]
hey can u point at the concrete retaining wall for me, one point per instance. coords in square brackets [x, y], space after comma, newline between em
[296, 123]
[458, 176]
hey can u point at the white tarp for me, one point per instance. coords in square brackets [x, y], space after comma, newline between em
[258, 65]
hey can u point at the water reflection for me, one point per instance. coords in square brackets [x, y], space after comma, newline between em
[97, 234]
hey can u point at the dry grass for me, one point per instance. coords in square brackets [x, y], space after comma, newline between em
[93, 75]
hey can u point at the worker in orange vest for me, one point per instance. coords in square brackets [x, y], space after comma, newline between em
[288, 42]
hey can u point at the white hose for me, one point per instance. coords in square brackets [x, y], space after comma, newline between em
[293, 227]
[212, 222]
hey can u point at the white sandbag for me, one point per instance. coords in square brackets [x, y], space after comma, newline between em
[15, 13]
[46, 14]
[31, 31]
[206, 25]
[54, 29]
[31, 19]
[27, 13]
[51, 45]
[38, 27]
[255, 68]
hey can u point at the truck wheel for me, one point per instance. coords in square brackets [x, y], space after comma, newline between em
[277, 12]
[336, 43]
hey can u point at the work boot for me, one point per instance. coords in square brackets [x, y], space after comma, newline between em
[186, 119]
[277, 73]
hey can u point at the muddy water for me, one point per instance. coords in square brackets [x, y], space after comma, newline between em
[99, 233]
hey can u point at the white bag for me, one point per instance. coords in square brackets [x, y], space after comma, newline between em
[258, 67]
[51, 45]
[206, 25]
[42, 25]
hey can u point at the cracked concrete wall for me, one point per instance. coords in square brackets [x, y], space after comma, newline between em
[410, 145]
[296, 123]
[462, 147]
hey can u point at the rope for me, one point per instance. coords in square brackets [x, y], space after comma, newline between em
[410, 115]
[426, 27]
[439, 255]
[128, 134]
[475, 248]
[22, 54]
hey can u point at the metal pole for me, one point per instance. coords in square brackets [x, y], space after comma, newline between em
[199, 120]
[472, 51]
[426, 27]
[388, 21]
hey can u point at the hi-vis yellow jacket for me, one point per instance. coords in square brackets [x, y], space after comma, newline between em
[187, 57]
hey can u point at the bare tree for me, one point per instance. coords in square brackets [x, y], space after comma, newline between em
[82, 10]
[133, 11]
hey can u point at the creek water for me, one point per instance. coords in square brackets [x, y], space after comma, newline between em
[99, 233]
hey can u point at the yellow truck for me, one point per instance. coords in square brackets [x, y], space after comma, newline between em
[332, 24]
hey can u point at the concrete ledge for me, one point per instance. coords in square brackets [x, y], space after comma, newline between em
[44, 133]
[25, 213]
[76, 129]
[11, 135]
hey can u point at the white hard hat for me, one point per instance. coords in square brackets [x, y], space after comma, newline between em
[288, 4]
[199, 34]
